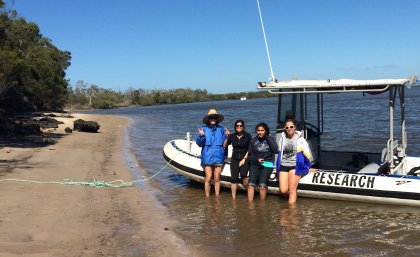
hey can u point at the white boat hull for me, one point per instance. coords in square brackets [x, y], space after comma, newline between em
[184, 157]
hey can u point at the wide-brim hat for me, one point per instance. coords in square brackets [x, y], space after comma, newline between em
[213, 113]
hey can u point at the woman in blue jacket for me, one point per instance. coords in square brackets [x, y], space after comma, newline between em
[211, 138]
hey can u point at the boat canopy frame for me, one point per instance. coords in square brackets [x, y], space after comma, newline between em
[334, 86]
[394, 152]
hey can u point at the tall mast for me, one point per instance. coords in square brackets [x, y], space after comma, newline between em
[272, 79]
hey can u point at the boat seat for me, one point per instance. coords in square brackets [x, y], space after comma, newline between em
[371, 168]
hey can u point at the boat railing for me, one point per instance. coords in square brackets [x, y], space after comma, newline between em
[188, 142]
[387, 152]
[393, 155]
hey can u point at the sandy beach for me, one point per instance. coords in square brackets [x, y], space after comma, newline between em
[72, 220]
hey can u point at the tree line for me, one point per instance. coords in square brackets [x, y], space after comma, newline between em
[33, 71]
[92, 96]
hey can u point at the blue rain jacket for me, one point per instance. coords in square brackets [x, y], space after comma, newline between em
[212, 151]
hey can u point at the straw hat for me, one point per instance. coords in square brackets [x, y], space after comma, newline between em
[213, 113]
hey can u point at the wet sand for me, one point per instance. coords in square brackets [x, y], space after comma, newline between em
[73, 220]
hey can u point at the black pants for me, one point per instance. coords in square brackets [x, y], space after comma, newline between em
[235, 170]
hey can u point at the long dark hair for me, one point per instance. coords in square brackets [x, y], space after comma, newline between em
[265, 126]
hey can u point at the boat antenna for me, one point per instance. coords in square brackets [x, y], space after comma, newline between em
[266, 44]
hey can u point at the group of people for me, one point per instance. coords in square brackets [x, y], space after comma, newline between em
[253, 155]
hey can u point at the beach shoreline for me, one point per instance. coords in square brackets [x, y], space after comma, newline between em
[74, 220]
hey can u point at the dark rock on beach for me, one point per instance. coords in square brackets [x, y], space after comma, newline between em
[85, 126]
[47, 122]
[24, 127]
[29, 127]
[68, 130]
[23, 130]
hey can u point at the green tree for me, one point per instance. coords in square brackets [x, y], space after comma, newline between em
[32, 69]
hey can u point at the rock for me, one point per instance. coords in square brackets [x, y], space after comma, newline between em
[23, 130]
[47, 122]
[85, 126]
[68, 130]
[24, 127]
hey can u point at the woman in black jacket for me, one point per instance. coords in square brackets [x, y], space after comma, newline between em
[239, 161]
[261, 156]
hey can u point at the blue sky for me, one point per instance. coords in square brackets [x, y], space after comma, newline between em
[218, 44]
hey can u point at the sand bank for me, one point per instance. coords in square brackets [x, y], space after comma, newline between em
[65, 220]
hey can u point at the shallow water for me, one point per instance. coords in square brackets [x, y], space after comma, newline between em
[216, 226]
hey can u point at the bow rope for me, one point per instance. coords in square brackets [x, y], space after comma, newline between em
[94, 182]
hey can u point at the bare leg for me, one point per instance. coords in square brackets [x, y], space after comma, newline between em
[284, 183]
[209, 172]
[217, 172]
[233, 187]
[250, 193]
[263, 193]
[245, 182]
[293, 184]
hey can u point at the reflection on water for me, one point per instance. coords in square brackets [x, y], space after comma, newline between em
[222, 226]
[312, 228]
[289, 221]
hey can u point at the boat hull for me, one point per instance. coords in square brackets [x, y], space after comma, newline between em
[184, 157]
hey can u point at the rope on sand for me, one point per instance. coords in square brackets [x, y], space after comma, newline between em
[94, 183]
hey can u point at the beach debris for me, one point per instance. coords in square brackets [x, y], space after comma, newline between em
[66, 115]
[52, 115]
[61, 115]
[85, 126]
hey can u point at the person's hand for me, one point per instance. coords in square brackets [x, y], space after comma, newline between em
[242, 162]
[227, 131]
[312, 170]
[201, 132]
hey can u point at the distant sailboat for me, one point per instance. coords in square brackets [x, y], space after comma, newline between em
[243, 98]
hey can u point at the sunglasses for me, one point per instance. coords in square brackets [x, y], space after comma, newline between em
[239, 125]
[290, 127]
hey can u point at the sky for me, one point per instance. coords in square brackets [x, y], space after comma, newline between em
[218, 45]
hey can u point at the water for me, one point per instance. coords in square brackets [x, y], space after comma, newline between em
[215, 226]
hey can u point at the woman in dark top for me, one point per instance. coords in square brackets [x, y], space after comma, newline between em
[239, 161]
[261, 155]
